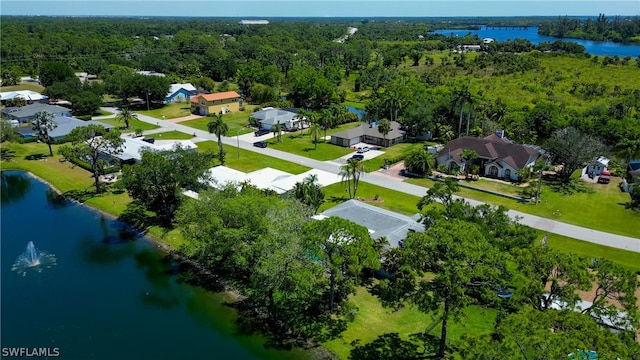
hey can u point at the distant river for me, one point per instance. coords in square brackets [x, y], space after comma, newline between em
[106, 298]
[531, 34]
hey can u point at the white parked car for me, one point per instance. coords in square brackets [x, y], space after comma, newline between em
[363, 149]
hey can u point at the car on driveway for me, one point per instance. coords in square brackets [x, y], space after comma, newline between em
[363, 149]
[260, 144]
[261, 132]
[358, 157]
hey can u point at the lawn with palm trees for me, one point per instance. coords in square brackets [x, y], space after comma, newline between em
[237, 122]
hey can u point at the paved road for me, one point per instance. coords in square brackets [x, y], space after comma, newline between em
[552, 226]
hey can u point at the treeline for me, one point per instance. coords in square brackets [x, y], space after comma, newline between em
[617, 29]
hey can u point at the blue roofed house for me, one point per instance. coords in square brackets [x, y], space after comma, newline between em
[180, 93]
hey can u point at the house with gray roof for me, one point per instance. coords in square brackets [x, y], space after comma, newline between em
[369, 133]
[498, 156]
[65, 125]
[380, 222]
[288, 118]
[27, 113]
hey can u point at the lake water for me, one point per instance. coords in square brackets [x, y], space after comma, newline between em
[106, 298]
[531, 34]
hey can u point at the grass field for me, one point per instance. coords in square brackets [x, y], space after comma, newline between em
[301, 143]
[237, 123]
[374, 320]
[251, 161]
[23, 86]
[171, 135]
[169, 111]
[133, 124]
[601, 207]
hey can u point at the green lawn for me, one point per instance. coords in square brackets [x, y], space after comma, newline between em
[237, 122]
[171, 135]
[374, 320]
[392, 152]
[251, 161]
[169, 111]
[301, 143]
[357, 105]
[101, 112]
[392, 200]
[133, 124]
[601, 207]
[23, 86]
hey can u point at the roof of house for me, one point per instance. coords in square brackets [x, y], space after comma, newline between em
[272, 116]
[32, 109]
[217, 96]
[174, 88]
[65, 126]
[23, 94]
[370, 130]
[634, 164]
[325, 178]
[264, 177]
[602, 160]
[393, 226]
[491, 147]
[133, 146]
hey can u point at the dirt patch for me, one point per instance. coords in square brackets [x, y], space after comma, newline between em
[184, 118]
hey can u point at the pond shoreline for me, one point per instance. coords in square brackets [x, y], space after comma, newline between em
[205, 278]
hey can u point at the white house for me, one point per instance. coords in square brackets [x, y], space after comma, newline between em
[596, 166]
[133, 146]
[27, 95]
[268, 117]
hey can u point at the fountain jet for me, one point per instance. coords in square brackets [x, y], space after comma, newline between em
[33, 259]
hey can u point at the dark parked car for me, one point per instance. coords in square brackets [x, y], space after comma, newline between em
[261, 132]
[260, 144]
[358, 157]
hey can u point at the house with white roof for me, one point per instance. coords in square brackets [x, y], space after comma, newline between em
[65, 124]
[27, 95]
[268, 117]
[133, 146]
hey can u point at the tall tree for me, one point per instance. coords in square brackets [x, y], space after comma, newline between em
[572, 149]
[468, 156]
[345, 249]
[384, 128]
[156, 180]
[93, 143]
[350, 173]
[220, 128]
[466, 268]
[44, 123]
[126, 115]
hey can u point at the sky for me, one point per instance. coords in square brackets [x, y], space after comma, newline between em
[321, 8]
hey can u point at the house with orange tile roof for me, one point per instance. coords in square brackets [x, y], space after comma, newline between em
[218, 103]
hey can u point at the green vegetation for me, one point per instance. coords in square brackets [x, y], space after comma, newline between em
[238, 123]
[23, 86]
[599, 206]
[301, 143]
[133, 124]
[171, 135]
[373, 320]
[394, 154]
[251, 161]
[168, 111]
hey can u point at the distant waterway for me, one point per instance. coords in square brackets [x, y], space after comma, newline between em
[531, 33]
[106, 297]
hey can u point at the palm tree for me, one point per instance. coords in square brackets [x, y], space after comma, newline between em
[220, 128]
[126, 115]
[420, 162]
[277, 131]
[43, 123]
[384, 128]
[468, 156]
[350, 173]
[315, 131]
[325, 120]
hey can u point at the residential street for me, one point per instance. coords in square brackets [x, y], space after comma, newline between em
[552, 226]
